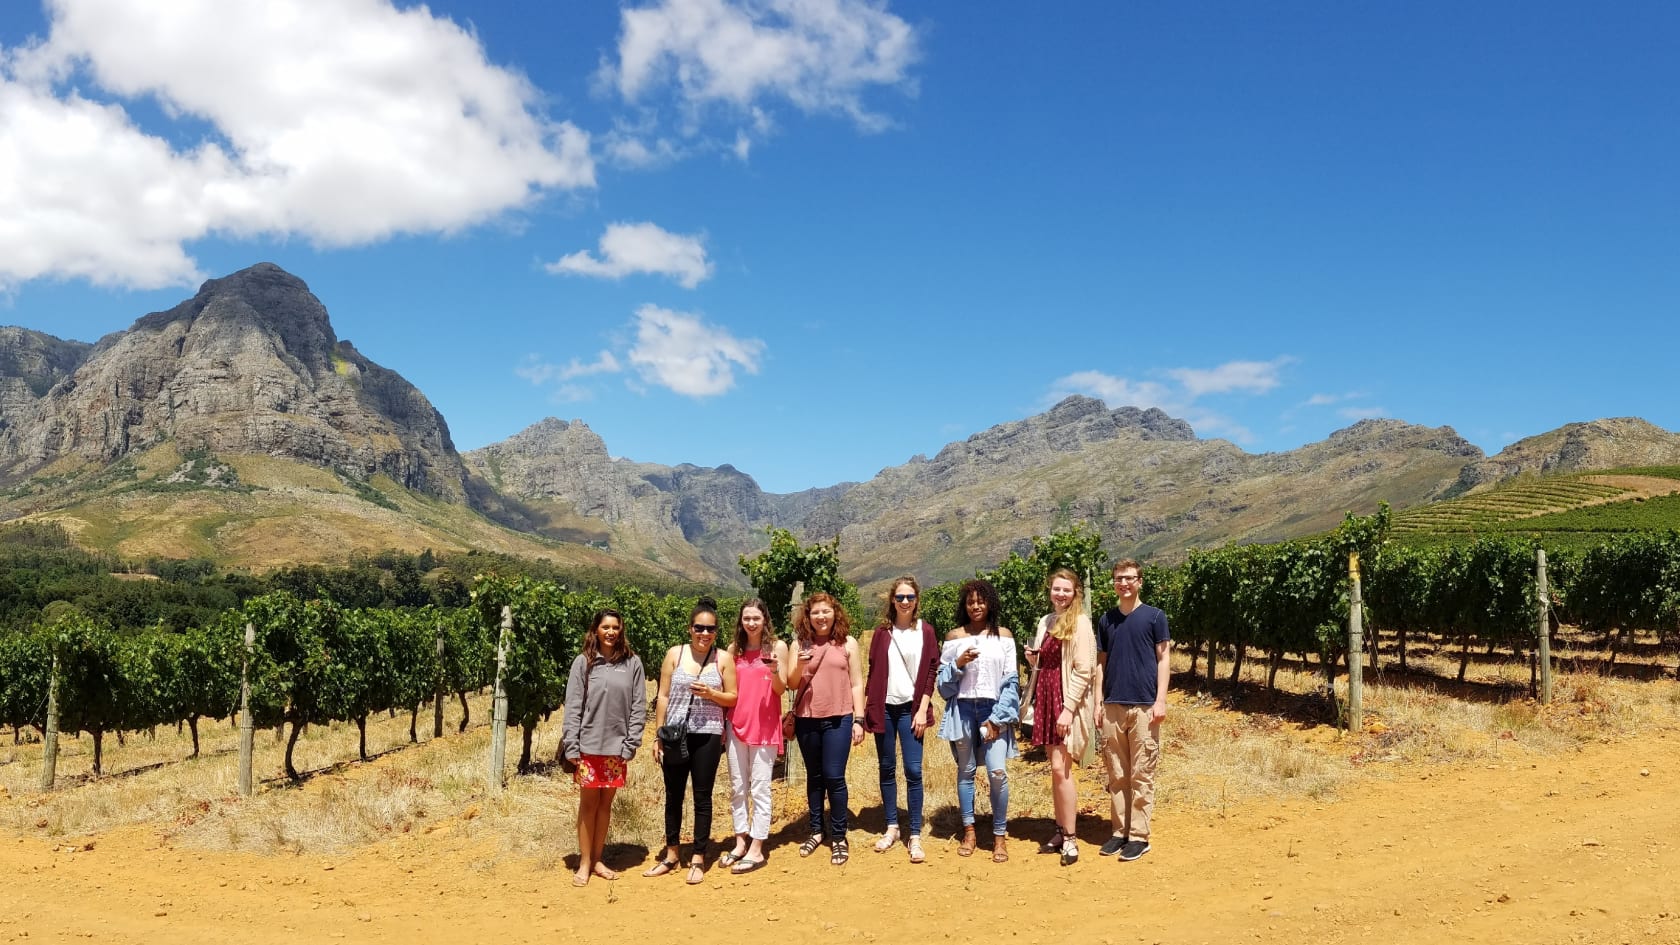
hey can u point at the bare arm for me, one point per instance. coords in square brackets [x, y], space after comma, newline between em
[662, 702]
[1163, 674]
[727, 696]
[778, 657]
[852, 661]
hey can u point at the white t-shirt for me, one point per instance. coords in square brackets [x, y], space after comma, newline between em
[904, 653]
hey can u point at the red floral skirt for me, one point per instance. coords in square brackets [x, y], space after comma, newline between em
[600, 771]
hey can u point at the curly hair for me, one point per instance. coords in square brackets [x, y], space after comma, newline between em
[802, 619]
[983, 589]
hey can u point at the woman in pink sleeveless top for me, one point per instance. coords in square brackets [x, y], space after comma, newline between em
[754, 733]
[827, 715]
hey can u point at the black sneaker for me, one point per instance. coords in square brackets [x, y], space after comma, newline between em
[1133, 849]
[1112, 846]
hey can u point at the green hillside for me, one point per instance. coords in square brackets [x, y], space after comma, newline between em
[1569, 506]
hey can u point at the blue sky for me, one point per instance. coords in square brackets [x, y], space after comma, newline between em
[815, 237]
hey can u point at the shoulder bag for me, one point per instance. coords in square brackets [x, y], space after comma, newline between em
[673, 736]
[804, 682]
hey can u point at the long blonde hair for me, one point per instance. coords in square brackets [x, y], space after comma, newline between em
[1068, 620]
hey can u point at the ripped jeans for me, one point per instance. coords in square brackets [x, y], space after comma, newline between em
[971, 750]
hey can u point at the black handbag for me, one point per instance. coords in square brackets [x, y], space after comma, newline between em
[673, 736]
[673, 743]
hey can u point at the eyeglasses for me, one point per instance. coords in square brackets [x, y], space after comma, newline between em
[904, 598]
[1127, 578]
[703, 627]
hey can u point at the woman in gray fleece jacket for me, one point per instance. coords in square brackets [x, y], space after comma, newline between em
[606, 711]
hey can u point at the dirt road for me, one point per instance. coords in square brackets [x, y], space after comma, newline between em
[1576, 848]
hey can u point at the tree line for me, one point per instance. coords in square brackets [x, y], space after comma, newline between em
[317, 659]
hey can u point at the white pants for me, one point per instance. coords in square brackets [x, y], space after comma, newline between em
[749, 772]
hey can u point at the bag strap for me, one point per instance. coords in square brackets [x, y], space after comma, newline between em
[892, 638]
[805, 680]
[688, 705]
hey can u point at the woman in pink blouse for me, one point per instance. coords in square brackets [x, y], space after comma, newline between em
[754, 732]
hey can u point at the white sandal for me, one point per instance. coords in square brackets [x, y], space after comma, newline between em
[887, 840]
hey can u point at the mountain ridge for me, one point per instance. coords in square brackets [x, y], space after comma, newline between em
[250, 366]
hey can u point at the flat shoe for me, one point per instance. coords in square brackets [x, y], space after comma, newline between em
[729, 859]
[1000, 850]
[917, 854]
[696, 873]
[887, 840]
[1054, 844]
[743, 866]
[808, 847]
[661, 868]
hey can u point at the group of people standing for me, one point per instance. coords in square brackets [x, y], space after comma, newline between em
[1104, 685]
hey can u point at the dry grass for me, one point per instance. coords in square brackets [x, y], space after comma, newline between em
[1216, 755]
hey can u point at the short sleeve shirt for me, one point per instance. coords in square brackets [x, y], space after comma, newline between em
[1129, 640]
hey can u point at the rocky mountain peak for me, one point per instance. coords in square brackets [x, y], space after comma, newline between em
[264, 295]
[250, 364]
[1595, 444]
[31, 362]
[1384, 434]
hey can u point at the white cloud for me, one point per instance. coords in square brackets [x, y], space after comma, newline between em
[818, 55]
[680, 351]
[628, 248]
[1249, 377]
[1115, 391]
[1208, 423]
[1362, 413]
[538, 371]
[604, 363]
[340, 121]
[1325, 400]
[1181, 397]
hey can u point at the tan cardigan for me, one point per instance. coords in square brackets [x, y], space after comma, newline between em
[1081, 681]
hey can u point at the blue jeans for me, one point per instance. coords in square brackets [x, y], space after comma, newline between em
[900, 722]
[825, 744]
[972, 713]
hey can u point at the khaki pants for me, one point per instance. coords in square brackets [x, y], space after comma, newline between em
[1131, 747]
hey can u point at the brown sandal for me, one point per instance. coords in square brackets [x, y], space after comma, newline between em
[1000, 850]
[966, 848]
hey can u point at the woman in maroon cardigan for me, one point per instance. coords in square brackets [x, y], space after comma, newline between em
[898, 705]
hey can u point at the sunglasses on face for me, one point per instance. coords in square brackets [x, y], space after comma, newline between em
[703, 627]
[904, 598]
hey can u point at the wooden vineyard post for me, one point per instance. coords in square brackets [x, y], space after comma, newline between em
[437, 694]
[49, 741]
[498, 715]
[1356, 648]
[1542, 592]
[247, 724]
[791, 762]
[1090, 754]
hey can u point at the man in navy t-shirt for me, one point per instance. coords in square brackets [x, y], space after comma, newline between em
[1132, 648]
